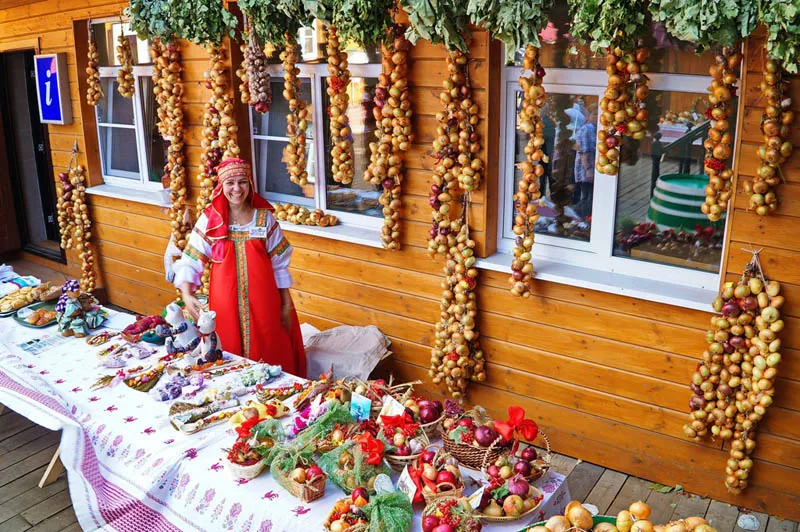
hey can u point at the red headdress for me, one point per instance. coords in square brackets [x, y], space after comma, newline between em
[217, 210]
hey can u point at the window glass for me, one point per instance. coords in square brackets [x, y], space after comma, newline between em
[272, 171]
[106, 34]
[269, 141]
[567, 186]
[113, 107]
[273, 124]
[119, 160]
[661, 187]
[359, 196]
[156, 148]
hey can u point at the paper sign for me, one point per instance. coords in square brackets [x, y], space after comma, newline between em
[392, 407]
[360, 407]
[475, 498]
[406, 484]
[383, 484]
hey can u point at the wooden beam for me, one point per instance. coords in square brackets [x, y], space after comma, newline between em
[8, 4]
[54, 469]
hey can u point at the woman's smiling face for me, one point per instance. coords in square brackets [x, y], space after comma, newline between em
[236, 190]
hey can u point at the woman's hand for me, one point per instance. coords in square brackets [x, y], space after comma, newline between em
[193, 304]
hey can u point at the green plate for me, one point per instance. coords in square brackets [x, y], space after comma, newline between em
[49, 305]
[595, 520]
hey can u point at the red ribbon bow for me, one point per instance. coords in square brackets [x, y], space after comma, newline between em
[372, 447]
[524, 429]
[243, 430]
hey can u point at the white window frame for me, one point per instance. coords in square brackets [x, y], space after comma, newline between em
[597, 253]
[141, 180]
[315, 74]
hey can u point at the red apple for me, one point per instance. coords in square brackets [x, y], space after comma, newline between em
[444, 528]
[360, 492]
[403, 450]
[513, 505]
[315, 471]
[429, 522]
[493, 471]
[465, 422]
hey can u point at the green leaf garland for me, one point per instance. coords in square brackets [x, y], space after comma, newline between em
[609, 23]
[706, 23]
[199, 21]
[271, 20]
[363, 22]
[438, 21]
[517, 23]
[782, 19]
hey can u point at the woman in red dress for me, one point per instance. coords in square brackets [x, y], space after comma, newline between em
[249, 284]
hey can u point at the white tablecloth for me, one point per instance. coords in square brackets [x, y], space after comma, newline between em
[129, 470]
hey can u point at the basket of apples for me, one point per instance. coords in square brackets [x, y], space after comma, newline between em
[338, 436]
[406, 438]
[305, 481]
[428, 414]
[508, 499]
[347, 514]
[450, 514]
[438, 473]
[471, 438]
[244, 461]
[524, 461]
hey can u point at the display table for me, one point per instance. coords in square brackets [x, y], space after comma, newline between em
[130, 470]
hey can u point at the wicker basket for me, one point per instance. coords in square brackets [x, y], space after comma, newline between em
[508, 518]
[547, 457]
[306, 491]
[398, 463]
[430, 507]
[248, 472]
[475, 458]
[456, 491]
[357, 528]
[432, 429]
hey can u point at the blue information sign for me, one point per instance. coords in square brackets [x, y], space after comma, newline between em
[52, 87]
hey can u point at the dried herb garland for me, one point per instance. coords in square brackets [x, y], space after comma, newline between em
[734, 384]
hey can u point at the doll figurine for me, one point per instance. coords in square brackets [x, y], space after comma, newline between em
[76, 312]
[181, 335]
[209, 349]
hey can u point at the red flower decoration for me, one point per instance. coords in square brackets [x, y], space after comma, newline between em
[404, 422]
[621, 128]
[336, 83]
[372, 447]
[708, 112]
[517, 425]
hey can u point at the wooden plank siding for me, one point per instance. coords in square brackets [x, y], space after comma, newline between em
[605, 375]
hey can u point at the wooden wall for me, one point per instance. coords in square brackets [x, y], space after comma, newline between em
[605, 375]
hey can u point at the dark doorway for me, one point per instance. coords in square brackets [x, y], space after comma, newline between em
[27, 170]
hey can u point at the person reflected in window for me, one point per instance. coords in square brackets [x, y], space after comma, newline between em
[586, 140]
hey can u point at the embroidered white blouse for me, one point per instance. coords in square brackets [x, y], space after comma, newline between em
[189, 268]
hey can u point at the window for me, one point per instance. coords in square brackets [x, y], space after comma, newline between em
[123, 123]
[646, 222]
[356, 203]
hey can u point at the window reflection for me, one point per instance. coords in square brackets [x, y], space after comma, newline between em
[661, 188]
[567, 186]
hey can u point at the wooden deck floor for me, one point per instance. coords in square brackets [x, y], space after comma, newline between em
[26, 449]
